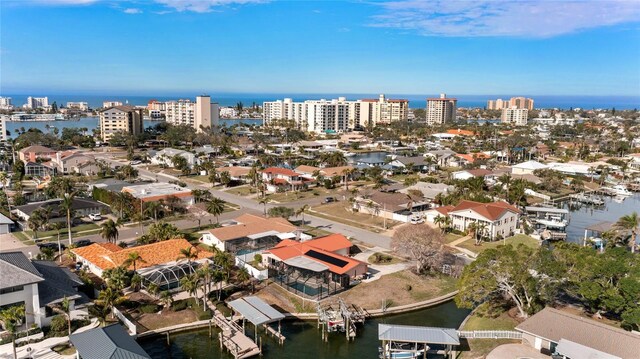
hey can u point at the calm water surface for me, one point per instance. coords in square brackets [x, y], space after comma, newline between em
[304, 339]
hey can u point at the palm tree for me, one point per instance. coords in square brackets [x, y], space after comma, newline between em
[166, 299]
[301, 211]
[108, 298]
[36, 220]
[153, 288]
[505, 179]
[67, 205]
[122, 201]
[99, 312]
[264, 201]
[206, 274]
[216, 207]
[443, 222]
[243, 276]
[152, 208]
[187, 254]
[64, 308]
[190, 284]
[11, 317]
[347, 173]
[630, 222]
[109, 231]
[133, 259]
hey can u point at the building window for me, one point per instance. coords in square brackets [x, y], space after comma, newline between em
[12, 289]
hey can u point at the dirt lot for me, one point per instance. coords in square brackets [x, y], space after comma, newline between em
[340, 212]
[166, 318]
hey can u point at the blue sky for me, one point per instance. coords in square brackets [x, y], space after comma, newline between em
[401, 47]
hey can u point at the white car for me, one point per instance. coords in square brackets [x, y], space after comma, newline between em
[95, 216]
[416, 220]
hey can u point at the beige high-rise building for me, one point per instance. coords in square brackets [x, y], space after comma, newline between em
[518, 102]
[207, 113]
[107, 104]
[125, 119]
[515, 116]
[441, 110]
[199, 114]
[381, 111]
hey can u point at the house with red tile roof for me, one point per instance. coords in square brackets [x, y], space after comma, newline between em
[315, 268]
[282, 179]
[464, 159]
[499, 219]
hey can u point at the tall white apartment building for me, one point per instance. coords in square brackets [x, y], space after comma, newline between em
[107, 104]
[82, 106]
[3, 128]
[337, 114]
[37, 102]
[125, 119]
[515, 116]
[441, 110]
[200, 114]
[5, 103]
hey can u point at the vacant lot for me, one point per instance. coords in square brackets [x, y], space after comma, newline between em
[481, 347]
[515, 240]
[399, 288]
[341, 212]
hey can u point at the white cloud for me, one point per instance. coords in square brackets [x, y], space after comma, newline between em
[132, 11]
[203, 5]
[526, 18]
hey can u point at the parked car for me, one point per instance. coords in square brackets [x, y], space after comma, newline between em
[136, 162]
[82, 243]
[329, 199]
[416, 220]
[51, 245]
[95, 216]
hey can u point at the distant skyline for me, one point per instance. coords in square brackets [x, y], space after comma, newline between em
[168, 47]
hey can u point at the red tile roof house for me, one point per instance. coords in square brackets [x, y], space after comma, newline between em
[32, 153]
[282, 179]
[316, 268]
[501, 218]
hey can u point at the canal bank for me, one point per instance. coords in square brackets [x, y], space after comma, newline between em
[303, 337]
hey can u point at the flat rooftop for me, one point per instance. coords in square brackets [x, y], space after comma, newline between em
[156, 190]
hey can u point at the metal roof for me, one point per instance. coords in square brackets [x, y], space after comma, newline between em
[547, 210]
[601, 227]
[110, 342]
[412, 334]
[256, 310]
[574, 350]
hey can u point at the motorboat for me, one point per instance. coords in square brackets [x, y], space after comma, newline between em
[621, 190]
[403, 351]
[553, 222]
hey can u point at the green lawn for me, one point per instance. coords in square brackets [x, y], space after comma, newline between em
[23, 238]
[200, 178]
[300, 195]
[450, 237]
[315, 232]
[481, 347]
[63, 232]
[242, 190]
[515, 240]
[340, 212]
[387, 259]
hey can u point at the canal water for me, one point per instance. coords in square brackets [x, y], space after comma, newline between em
[584, 215]
[369, 157]
[91, 123]
[304, 340]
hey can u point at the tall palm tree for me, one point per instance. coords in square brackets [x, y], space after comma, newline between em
[99, 312]
[64, 308]
[190, 284]
[205, 273]
[133, 259]
[67, 205]
[109, 297]
[187, 254]
[216, 207]
[630, 222]
[264, 201]
[109, 231]
[36, 220]
[152, 209]
[301, 211]
[347, 173]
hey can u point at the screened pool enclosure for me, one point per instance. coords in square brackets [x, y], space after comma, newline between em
[167, 276]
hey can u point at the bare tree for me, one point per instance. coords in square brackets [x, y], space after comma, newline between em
[421, 243]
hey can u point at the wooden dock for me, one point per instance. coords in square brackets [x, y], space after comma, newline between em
[233, 338]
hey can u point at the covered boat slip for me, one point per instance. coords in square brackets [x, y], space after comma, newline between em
[404, 341]
[259, 313]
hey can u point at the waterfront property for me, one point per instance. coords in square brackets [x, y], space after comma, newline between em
[259, 313]
[316, 268]
[553, 331]
[38, 285]
[390, 205]
[494, 219]
[403, 341]
[108, 342]
[126, 120]
[160, 262]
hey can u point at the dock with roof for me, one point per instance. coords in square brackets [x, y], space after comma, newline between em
[259, 313]
[415, 341]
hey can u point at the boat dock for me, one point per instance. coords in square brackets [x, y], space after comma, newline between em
[583, 198]
[338, 316]
[553, 235]
[233, 338]
[405, 341]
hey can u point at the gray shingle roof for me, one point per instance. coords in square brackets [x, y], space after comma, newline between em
[110, 342]
[56, 210]
[59, 282]
[17, 270]
[5, 220]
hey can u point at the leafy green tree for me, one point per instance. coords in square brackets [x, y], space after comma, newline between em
[281, 211]
[163, 231]
[181, 164]
[225, 178]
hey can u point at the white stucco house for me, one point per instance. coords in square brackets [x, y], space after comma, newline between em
[164, 156]
[527, 168]
[499, 218]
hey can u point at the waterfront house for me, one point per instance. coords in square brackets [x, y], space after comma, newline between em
[38, 285]
[500, 219]
[160, 262]
[443, 158]
[553, 331]
[415, 163]
[39, 169]
[315, 268]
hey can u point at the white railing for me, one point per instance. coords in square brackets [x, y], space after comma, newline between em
[129, 324]
[490, 334]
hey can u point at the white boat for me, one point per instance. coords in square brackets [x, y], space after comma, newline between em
[553, 222]
[403, 351]
[621, 190]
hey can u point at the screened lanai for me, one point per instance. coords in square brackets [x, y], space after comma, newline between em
[167, 277]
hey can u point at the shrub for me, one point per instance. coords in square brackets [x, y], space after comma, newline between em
[258, 258]
[408, 287]
[59, 325]
[179, 305]
[204, 315]
[150, 308]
